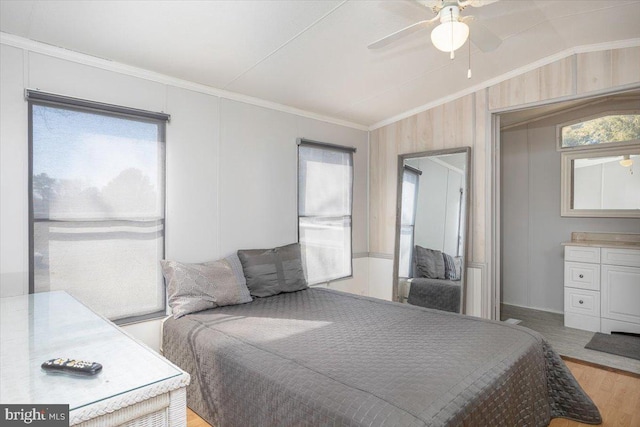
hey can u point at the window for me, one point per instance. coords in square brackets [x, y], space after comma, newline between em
[97, 205]
[605, 129]
[410, 183]
[325, 187]
[599, 154]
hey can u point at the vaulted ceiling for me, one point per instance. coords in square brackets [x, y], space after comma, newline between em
[313, 55]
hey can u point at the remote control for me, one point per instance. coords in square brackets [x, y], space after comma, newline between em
[71, 366]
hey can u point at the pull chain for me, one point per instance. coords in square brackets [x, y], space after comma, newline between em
[469, 70]
[453, 55]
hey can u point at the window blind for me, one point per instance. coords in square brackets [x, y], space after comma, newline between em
[325, 198]
[97, 187]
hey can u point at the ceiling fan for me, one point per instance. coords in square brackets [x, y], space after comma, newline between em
[453, 30]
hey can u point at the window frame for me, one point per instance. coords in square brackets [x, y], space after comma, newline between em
[335, 147]
[38, 98]
[567, 183]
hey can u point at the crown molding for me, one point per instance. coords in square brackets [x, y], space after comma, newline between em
[508, 75]
[109, 65]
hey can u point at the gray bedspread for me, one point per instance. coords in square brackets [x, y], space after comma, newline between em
[435, 293]
[324, 358]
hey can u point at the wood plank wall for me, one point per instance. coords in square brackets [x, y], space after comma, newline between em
[446, 126]
[466, 122]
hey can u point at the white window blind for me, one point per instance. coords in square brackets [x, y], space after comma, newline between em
[97, 207]
[325, 187]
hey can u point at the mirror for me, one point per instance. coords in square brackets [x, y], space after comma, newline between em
[601, 183]
[431, 224]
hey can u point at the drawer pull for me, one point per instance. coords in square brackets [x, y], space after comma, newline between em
[581, 276]
[581, 302]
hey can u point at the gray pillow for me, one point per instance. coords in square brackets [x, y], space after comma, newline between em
[429, 263]
[451, 267]
[458, 263]
[197, 287]
[273, 271]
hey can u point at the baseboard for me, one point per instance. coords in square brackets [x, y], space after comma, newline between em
[548, 310]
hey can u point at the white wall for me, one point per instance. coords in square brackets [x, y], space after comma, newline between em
[532, 228]
[192, 169]
[14, 207]
[358, 284]
[231, 171]
[380, 274]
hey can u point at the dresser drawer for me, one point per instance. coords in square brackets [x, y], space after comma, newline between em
[582, 275]
[626, 257]
[581, 301]
[582, 254]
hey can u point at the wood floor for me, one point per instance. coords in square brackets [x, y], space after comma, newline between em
[617, 396]
[193, 420]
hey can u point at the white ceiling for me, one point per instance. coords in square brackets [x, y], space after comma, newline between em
[312, 55]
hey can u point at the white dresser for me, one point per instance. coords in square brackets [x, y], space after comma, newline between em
[602, 283]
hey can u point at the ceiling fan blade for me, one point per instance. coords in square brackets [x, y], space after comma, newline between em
[482, 37]
[431, 4]
[476, 3]
[401, 33]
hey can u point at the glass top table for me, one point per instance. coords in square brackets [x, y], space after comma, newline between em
[38, 327]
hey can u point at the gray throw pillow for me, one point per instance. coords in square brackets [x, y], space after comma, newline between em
[273, 271]
[458, 263]
[429, 263]
[197, 287]
[451, 267]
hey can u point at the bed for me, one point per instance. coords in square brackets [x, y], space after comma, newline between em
[321, 357]
[440, 294]
[436, 281]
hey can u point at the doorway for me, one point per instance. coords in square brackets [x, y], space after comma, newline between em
[529, 230]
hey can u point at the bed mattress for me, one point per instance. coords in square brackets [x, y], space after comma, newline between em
[321, 357]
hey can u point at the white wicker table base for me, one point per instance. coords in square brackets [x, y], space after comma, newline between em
[157, 405]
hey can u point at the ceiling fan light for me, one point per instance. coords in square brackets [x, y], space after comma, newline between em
[444, 40]
[626, 161]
